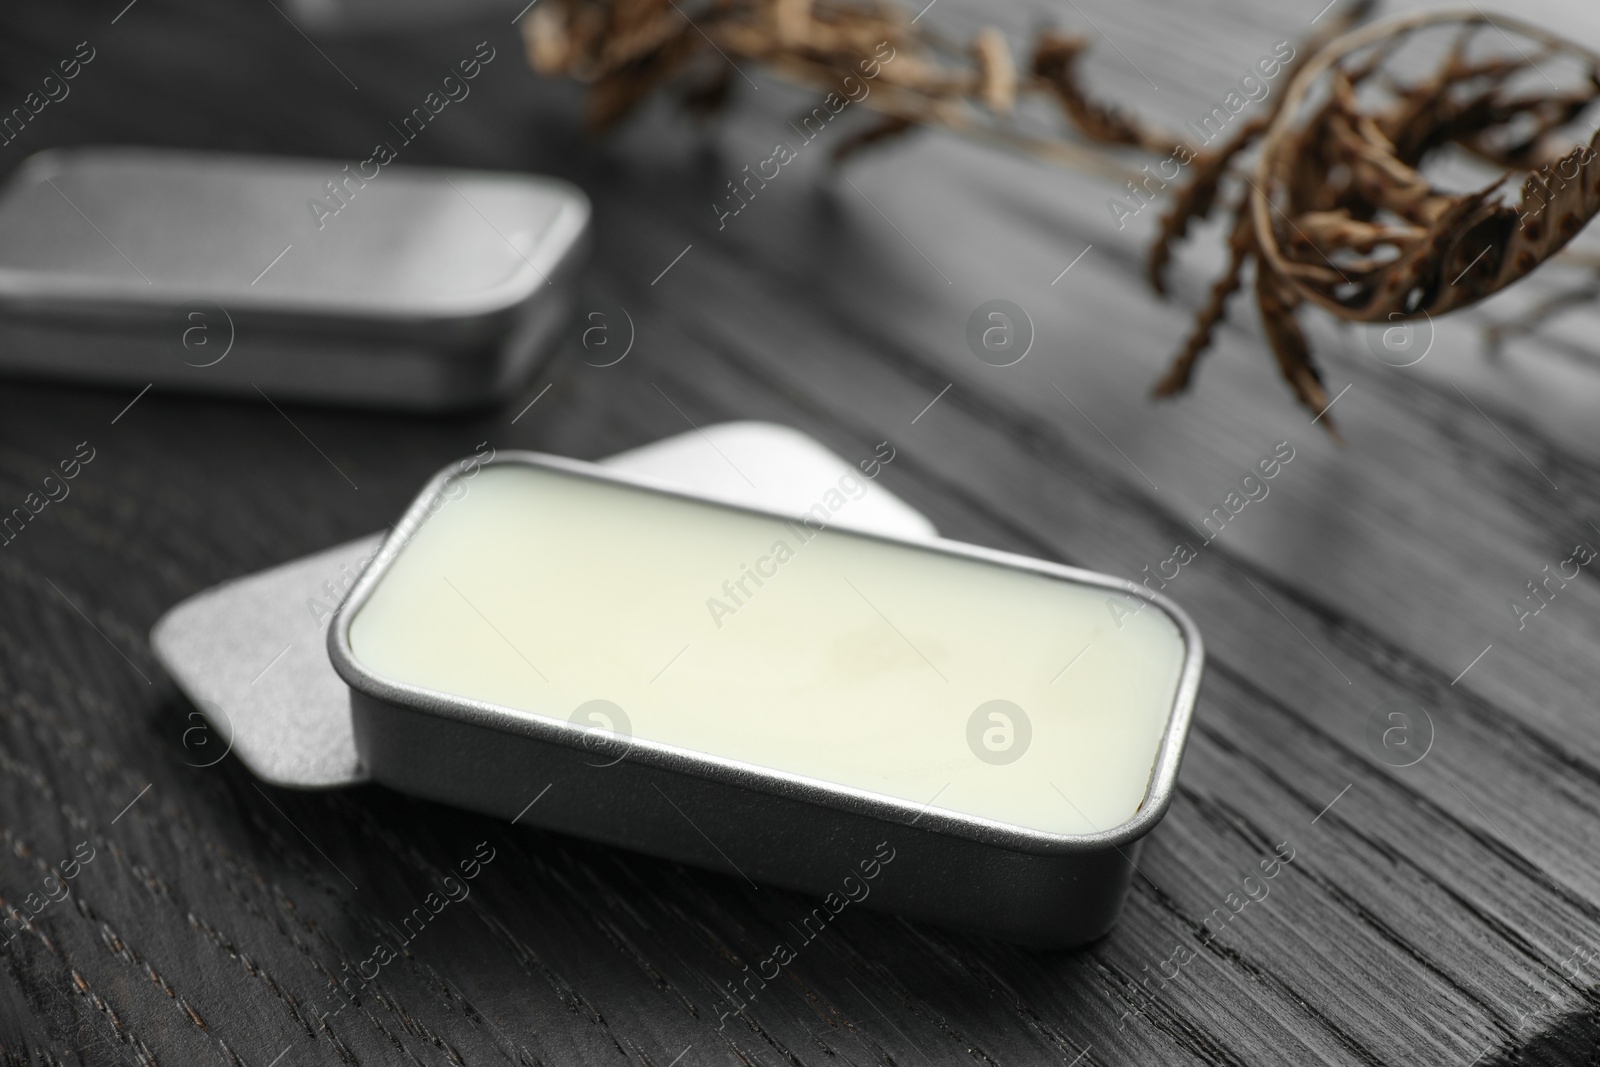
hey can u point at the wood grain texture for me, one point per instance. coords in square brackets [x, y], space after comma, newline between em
[1431, 913]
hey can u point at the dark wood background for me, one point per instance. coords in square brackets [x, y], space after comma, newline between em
[1434, 914]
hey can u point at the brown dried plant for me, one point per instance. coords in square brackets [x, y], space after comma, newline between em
[626, 50]
[1334, 210]
[1339, 214]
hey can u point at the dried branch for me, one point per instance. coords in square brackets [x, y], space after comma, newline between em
[1336, 210]
[1343, 216]
[1241, 245]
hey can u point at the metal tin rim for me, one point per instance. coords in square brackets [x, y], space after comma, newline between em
[1158, 792]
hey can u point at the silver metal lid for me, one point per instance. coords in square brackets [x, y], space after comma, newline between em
[153, 228]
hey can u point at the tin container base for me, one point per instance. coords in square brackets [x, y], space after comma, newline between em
[435, 715]
[251, 359]
[1041, 901]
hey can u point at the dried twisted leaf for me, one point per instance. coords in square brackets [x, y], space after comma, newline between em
[1336, 229]
[1343, 215]
[997, 74]
[1276, 300]
[1449, 250]
[1194, 200]
[1555, 205]
[792, 19]
[1055, 63]
[1241, 246]
[549, 46]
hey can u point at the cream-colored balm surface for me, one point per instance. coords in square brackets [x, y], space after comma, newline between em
[940, 681]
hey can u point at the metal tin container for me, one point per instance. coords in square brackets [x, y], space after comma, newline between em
[385, 286]
[750, 821]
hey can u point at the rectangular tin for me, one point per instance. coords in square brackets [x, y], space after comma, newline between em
[1038, 888]
[305, 280]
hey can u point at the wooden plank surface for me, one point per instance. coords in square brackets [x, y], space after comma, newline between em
[1435, 913]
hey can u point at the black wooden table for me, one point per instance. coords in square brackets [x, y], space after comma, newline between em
[1443, 912]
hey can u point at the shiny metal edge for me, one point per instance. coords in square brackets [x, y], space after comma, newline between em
[563, 241]
[740, 775]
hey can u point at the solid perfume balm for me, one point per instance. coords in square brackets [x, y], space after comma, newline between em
[955, 682]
